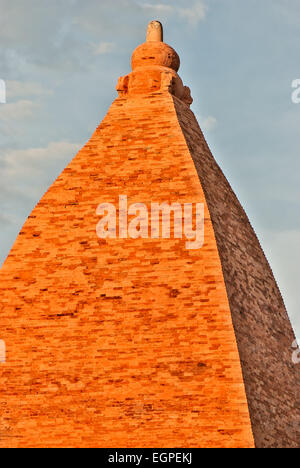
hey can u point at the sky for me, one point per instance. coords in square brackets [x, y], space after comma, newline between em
[61, 60]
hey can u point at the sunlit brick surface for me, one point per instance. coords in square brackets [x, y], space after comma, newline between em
[119, 343]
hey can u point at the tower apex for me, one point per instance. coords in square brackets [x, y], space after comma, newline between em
[155, 32]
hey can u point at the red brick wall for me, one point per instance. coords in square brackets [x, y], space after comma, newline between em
[263, 330]
[119, 343]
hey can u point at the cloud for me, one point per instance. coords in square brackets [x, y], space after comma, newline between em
[5, 221]
[16, 110]
[160, 8]
[103, 48]
[17, 89]
[16, 164]
[41, 33]
[25, 177]
[193, 14]
[209, 123]
[57, 35]
[26, 174]
[14, 114]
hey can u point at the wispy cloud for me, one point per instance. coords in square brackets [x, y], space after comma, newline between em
[17, 89]
[160, 7]
[193, 14]
[33, 161]
[209, 123]
[16, 110]
[26, 174]
[5, 221]
[15, 113]
[103, 48]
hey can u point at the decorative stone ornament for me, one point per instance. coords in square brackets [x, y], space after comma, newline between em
[154, 69]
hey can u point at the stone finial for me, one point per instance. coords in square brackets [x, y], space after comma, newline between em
[155, 32]
[154, 69]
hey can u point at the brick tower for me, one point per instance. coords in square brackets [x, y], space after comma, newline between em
[141, 342]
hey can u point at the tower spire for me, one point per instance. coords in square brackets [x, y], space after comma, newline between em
[155, 32]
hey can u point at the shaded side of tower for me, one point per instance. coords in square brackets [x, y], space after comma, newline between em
[262, 327]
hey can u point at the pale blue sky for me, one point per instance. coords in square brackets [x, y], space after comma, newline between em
[61, 61]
